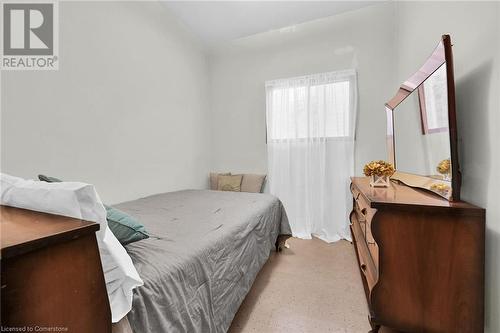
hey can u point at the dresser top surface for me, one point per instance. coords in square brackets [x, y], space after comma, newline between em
[24, 230]
[402, 195]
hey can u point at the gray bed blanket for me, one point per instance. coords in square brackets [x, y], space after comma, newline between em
[206, 250]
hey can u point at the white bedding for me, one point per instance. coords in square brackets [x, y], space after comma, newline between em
[81, 201]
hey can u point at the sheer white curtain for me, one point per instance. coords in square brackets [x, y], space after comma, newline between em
[310, 144]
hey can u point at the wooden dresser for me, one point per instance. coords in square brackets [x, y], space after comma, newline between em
[51, 274]
[421, 258]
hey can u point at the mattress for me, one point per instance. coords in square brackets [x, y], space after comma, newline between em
[205, 250]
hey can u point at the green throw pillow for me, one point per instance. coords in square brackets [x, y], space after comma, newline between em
[125, 228]
[48, 179]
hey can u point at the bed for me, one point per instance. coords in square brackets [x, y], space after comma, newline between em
[205, 250]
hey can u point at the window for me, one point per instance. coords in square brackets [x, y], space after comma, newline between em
[315, 106]
[433, 97]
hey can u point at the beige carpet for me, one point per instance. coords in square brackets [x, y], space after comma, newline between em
[311, 287]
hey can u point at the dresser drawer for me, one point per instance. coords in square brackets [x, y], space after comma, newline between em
[361, 220]
[355, 192]
[366, 263]
[364, 207]
[364, 214]
[366, 232]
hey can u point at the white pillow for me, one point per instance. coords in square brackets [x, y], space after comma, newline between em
[81, 201]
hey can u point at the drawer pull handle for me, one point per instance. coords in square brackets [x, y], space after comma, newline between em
[361, 210]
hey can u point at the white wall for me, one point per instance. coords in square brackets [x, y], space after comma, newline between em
[361, 39]
[475, 31]
[127, 110]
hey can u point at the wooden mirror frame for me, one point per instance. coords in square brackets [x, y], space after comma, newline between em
[442, 54]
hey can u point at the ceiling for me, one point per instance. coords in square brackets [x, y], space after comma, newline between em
[216, 22]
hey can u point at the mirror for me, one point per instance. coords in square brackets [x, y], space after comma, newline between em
[420, 142]
[422, 138]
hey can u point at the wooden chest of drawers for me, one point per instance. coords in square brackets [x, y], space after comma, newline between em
[51, 274]
[421, 258]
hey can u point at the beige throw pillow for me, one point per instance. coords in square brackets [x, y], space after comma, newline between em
[214, 179]
[229, 183]
[252, 183]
